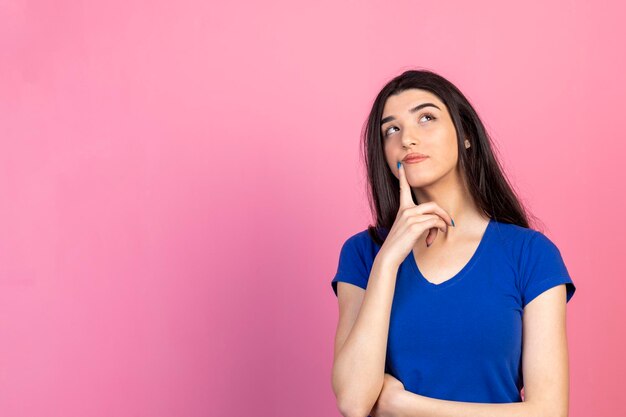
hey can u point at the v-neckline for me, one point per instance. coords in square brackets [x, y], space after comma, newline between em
[463, 270]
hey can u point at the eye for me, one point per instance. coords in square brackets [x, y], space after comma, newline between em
[422, 116]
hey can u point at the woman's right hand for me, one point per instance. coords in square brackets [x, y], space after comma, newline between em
[411, 222]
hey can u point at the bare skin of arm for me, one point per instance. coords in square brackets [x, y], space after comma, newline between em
[361, 340]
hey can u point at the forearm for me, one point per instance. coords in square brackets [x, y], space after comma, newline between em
[358, 370]
[409, 404]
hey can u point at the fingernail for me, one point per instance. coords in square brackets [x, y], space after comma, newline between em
[452, 222]
[399, 164]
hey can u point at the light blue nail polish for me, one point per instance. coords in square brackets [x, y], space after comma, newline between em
[399, 164]
[452, 222]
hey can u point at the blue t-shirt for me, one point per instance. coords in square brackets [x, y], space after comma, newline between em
[461, 340]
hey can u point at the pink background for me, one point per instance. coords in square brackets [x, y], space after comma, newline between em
[176, 179]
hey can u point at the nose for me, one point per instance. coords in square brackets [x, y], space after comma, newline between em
[408, 138]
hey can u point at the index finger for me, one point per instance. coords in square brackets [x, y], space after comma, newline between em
[406, 200]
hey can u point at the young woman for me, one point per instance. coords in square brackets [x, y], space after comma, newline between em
[435, 297]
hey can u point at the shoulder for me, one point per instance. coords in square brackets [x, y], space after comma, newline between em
[509, 233]
[520, 245]
[525, 241]
[355, 260]
[362, 245]
[361, 239]
[511, 239]
[540, 248]
[536, 259]
[358, 237]
[519, 240]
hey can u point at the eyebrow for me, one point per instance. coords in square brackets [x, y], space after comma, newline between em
[413, 110]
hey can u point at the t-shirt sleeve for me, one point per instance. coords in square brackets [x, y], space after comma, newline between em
[543, 268]
[352, 267]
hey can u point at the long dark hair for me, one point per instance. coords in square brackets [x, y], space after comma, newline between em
[486, 180]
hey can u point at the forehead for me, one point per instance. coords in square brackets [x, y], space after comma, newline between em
[399, 104]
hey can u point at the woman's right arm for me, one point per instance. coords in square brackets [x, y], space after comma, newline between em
[361, 339]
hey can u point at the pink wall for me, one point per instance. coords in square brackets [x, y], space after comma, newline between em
[176, 179]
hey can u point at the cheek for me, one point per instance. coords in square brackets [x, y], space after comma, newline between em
[390, 155]
[448, 151]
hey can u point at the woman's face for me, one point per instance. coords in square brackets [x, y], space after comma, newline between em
[428, 130]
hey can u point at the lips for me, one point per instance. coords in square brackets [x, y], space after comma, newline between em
[414, 157]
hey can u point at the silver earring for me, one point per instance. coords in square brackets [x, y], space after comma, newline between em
[467, 144]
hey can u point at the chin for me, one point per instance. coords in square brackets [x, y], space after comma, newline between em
[421, 180]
